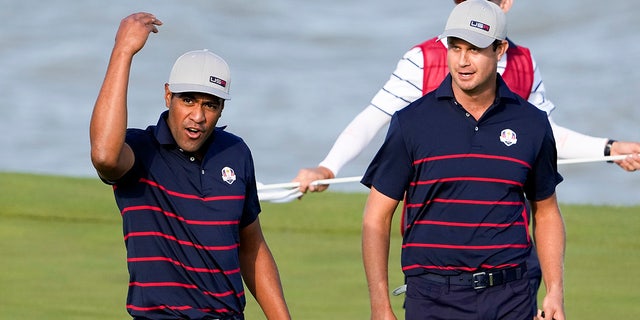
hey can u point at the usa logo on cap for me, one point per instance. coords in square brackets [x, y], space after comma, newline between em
[508, 137]
[218, 81]
[228, 175]
[480, 25]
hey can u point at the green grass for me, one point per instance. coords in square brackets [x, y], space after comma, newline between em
[62, 254]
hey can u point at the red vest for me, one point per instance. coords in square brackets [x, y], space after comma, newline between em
[518, 75]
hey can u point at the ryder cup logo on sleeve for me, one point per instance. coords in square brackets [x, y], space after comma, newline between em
[508, 137]
[228, 175]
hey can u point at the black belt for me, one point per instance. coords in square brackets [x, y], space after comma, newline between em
[479, 280]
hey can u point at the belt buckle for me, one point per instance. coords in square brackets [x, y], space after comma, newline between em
[482, 280]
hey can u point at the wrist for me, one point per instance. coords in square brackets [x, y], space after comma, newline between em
[607, 148]
[326, 172]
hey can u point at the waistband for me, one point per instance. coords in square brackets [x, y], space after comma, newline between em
[480, 279]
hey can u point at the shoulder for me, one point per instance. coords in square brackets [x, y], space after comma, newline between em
[514, 45]
[223, 136]
[433, 42]
[226, 141]
[525, 109]
[517, 48]
[137, 138]
[425, 106]
[417, 51]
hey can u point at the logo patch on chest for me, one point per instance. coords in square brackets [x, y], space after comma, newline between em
[508, 137]
[228, 175]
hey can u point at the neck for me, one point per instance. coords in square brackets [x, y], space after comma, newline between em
[477, 100]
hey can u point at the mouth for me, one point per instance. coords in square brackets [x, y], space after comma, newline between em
[465, 75]
[193, 133]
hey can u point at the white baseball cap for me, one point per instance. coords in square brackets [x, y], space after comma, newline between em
[478, 22]
[201, 71]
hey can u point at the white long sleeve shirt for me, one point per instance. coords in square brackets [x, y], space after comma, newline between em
[405, 86]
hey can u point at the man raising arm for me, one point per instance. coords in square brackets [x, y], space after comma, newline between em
[186, 191]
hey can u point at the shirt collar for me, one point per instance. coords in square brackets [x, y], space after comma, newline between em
[161, 131]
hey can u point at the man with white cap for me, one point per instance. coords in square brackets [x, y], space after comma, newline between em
[465, 159]
[419, 71]
[186, 191]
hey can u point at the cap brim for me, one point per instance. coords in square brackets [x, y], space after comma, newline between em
[179, 88]
[476, 39]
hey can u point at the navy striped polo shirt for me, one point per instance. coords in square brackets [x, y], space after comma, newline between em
[181, 223]
[465, 182]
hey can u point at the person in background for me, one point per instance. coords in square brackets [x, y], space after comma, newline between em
[421, 70]
[465, 159]
[186, 191]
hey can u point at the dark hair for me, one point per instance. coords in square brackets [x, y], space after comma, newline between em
[496, 44]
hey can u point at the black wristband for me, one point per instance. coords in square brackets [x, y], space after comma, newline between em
[607, 148]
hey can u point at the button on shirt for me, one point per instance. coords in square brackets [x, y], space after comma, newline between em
[465, 180]
[182, 219]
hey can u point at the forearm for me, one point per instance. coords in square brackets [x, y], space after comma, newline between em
[263, 281]
[354, 138]
[550, 243]
[376, 230]
[260, 273]
[109, 119]
[375, 256]
[571, 144]
[550, 240]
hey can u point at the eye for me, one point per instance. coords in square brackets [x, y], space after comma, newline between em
[214, 105]
[187, 99]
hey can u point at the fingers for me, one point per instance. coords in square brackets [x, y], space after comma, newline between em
[318, 187]
[134, 31]
[630, 163]
[306, 177]
[153, 23]
[148, 20]
[555, 315]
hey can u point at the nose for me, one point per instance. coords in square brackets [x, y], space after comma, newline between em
[197, 114]
[463, 58]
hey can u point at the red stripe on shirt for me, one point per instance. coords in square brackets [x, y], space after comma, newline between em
[173, 215]
[413, 184]
[180, 308]
[458, 201]
[178, 263]
[189, 196]
[182, 285]
[469, 225]
[182, 242]
[459, 268]
[461, 247]
[471, 155]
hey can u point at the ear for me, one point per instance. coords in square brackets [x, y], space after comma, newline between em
[502, 49]
[506, 5]
[167, 95]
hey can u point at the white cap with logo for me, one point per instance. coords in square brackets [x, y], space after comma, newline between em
[479, 22]
[201, 71]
